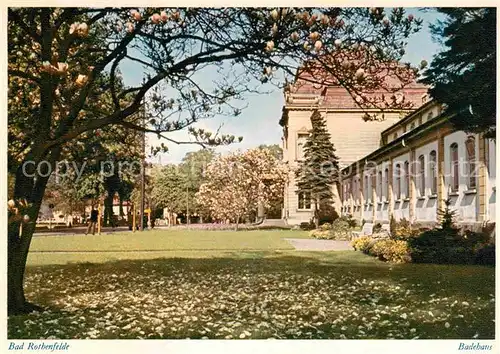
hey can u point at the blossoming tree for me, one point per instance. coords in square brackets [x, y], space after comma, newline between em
[236, 184]
[63, 66]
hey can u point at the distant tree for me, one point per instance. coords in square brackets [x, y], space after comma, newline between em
[238, 182]
[275, 149]
[167, 188]
[193, 167]
[319, 170]
[64, 195]
[275, 205]
[463, 76]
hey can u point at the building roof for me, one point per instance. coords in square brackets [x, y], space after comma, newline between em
[337, 97]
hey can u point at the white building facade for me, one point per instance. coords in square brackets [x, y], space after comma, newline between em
[423, 161]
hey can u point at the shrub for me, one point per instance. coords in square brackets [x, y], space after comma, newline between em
[392, 225]
[377, 228]
[368, 247]
[446, 244]
[307, 225]
[377, 250]
[398, 252]
[340, 230]
[489, 229]
[471, 238]
[325, 227]
[320, 234]
[360, 243]
[391, 251]
[386, 250]
[485, 254]
[327, 214]
[402, 230]
[350, 221]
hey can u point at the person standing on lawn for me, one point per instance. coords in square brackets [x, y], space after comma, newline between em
[93, 221]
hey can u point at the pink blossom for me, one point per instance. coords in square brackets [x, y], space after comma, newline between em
[155, 18]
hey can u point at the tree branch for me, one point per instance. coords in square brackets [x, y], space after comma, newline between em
[25, 75]
[146, 130]
[19, 22]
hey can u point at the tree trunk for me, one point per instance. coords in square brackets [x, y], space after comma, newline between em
[237, 222]
[18, 244]
[108, 209]
[120, 207]
[18, 247]
[316, 215]
[17, 256]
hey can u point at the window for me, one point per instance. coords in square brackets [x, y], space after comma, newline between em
[380, 186]
[412, 126]
[470, 147]
[397, 188]
[430, 115]
[492, 158]
[304, 200]
[386, 193]
[433, 171]
[301, 140]
[407, 178]
[421, 175]
[395, 136]
[454, 167]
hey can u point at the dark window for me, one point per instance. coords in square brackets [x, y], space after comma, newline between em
[397, 188]
[380, 186]
[470, 146]
[407, 179]
[454, 167]
[433, 171]
[421, 175]
[386, 193]
[304, 200]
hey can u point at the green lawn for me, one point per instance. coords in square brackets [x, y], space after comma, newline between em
[154, 244]
[248, 285]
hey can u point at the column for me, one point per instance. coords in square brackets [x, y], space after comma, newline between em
[351, 195]
[412, 188]
[390, 194]
[441, 187]
[373, 179]
[362, 195]
[482, 182]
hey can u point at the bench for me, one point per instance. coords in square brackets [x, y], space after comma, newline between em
[386, 227]
[366, 231]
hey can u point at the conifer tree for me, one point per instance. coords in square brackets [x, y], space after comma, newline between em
[319, 170]
[463, 75]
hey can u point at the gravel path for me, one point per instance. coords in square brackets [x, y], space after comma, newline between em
[319, 245]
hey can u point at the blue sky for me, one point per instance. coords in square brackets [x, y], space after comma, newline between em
[258, 124]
